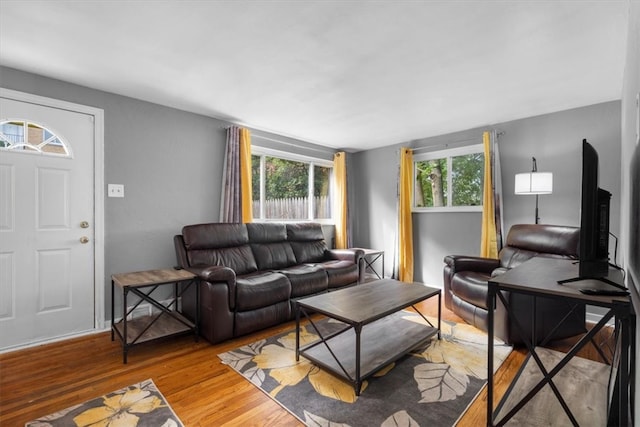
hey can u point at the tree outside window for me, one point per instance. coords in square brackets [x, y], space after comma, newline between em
[449, 179]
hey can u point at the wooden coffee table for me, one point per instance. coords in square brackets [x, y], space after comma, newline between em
[372, 337]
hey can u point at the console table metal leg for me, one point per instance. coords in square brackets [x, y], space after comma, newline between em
[125, 344]
[197, 285]
[491, 304]
[297, 333]
[439, 315]
[112, 310]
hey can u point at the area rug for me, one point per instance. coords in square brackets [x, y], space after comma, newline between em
[432, 386]
[139, 405]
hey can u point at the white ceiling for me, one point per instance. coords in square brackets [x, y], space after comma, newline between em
[345, 74]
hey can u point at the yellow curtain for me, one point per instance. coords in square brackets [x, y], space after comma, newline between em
[245, 175]
[340, 174]
[405, 228]
[489, 239]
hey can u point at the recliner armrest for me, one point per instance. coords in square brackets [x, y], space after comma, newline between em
[459, 263]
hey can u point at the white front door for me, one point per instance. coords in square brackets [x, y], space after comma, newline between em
[47, 285]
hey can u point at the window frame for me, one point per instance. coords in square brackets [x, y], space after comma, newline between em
[447, 154]
[23, 145]
[311, 161]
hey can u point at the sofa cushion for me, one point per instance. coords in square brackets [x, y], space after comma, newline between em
[219, 244]
[306, 252]
[307, 242]
[273, 256]
[304, 232]
[471, 287]
[260, 290]
[260, 318]
[240, 259]
[214, 235]
[528, 240]
[340, 273]
[306, 279]
[261, 232]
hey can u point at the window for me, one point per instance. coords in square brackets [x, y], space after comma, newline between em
[449, 180]
[28, 137]
[290, 187]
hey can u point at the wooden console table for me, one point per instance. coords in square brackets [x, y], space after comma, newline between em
[167, 322]
[538, 277]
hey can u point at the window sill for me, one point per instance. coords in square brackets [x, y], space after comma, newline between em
[293, 221]
[448, 209]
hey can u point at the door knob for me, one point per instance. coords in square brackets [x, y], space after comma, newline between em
[84, 239]
[84, 224]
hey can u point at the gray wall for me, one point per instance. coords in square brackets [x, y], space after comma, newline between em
[630, 143]
[556, 142]
[169, 161]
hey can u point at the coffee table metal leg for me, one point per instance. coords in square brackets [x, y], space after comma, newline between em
[297, 333]
[358, 385]
[439, 315]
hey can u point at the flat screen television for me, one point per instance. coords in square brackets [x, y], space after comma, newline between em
[593, 252]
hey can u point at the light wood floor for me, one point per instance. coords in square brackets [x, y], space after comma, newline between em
[203, 392]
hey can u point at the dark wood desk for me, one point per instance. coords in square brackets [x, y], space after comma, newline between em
[539, 277]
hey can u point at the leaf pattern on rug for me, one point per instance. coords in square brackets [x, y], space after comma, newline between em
[140, 403]
[287, 372]
[446, 370]
[438, 382]
[119, 409]
[333, 387]
[454, 335]
[400, 419]
[237, 359]
[285, 375]
[312, 420]
[471, 363]
[281, 360]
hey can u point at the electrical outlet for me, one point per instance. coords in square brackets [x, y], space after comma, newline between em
[115, 190]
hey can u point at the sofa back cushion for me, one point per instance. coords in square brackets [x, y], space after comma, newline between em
[525, 241]
[269, 245]
[219, 244]
[307, 242]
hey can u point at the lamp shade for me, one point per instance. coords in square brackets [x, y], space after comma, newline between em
[534, 183]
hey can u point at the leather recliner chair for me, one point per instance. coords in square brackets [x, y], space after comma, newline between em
[466, 285]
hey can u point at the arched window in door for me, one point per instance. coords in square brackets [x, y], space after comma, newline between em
[28, 137]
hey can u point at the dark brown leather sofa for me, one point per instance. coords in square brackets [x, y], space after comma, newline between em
[466, 277]
[251, 274]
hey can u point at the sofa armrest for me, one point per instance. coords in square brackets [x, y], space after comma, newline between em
[353, 255]
[457, 263]
[217, 275]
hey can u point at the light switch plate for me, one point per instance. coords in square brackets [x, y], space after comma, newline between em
[115, 190]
